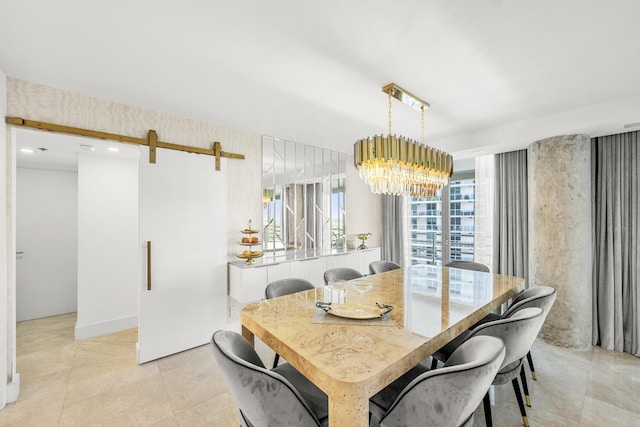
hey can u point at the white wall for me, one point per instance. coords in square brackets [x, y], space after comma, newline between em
[7, 322]
[107, 244]
[46, 233]
[364, 208]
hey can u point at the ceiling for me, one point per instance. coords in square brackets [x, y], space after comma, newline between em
[498, 74]
[54, 151]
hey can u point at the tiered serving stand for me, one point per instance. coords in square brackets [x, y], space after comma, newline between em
[248, 242]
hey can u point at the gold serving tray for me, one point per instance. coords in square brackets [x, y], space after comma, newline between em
[355, 311]
[252, 254]
[249, 231]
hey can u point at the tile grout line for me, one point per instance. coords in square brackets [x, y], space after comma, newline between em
[586, 387]
[164, 384]
[66, 389]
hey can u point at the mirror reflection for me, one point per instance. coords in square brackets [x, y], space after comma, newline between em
[303, 196]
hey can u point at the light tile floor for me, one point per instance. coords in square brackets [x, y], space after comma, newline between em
[97, 382]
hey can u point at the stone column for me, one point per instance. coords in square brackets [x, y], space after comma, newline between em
[559, 175]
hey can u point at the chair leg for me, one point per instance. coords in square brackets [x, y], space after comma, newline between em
[275, 361]
[244, 422]
[531, 368]
[525, 387]
[434, 362]
[487, 410]
[523, 412]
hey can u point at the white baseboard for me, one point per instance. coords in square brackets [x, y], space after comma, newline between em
[83, 332]
[13, 389]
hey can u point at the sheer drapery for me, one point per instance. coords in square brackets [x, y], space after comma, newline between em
[394, 229]
[615, 160]
[483, 221]
[510, 226]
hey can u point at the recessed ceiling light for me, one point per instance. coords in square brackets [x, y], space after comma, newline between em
[87, 147]
[26, 150]
[480, 152]
[114, 149]
[631, 125]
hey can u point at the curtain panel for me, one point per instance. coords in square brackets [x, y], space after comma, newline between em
[510, 220]
[615, 160]
[392, 245]
[483, 222]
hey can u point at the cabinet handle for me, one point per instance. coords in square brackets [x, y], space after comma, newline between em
[148, 265]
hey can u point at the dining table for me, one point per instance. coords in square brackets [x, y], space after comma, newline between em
[353, 359]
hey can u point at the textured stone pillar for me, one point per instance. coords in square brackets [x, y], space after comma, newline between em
[559, 170]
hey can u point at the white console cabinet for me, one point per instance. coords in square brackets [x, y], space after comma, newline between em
[248, 282]
[311, 269]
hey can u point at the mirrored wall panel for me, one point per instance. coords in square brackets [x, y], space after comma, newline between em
[303, 190]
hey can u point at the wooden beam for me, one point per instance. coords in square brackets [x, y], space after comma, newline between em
[151, 136]
[17, 121]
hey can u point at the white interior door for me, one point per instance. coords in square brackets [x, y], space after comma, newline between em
[183, 215]
[47, 242]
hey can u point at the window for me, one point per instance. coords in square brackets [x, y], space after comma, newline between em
[429, 227]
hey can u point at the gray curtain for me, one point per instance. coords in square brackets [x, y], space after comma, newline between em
[393, 218]
[615, 210]
[510, 221]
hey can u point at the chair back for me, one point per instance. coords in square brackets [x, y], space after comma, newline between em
[265, 398]
[518, 332]
[468, 265]
[287, 286]
[341, 273]
[449, 396]
[538, 296]
[376, 267]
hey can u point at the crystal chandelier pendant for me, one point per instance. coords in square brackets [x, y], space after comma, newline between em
[400, 166]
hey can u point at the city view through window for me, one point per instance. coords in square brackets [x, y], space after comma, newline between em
[429, 225]
[450, 216]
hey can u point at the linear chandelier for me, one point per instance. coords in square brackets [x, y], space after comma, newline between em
[398, 165]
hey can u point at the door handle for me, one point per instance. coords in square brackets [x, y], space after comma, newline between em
[20, 253]
[148, 265]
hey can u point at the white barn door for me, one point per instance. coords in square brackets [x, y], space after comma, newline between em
[183, 216]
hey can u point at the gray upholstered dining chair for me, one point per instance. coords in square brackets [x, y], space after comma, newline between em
[282, 396]
[518, 332]
[468, 265]
[376, 267]
[537, 296]
[444, 397]
[287, 286]
[340, 273]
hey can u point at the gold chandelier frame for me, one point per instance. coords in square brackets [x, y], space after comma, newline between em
[398, 165]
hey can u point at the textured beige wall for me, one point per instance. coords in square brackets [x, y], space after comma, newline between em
[560, 234]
